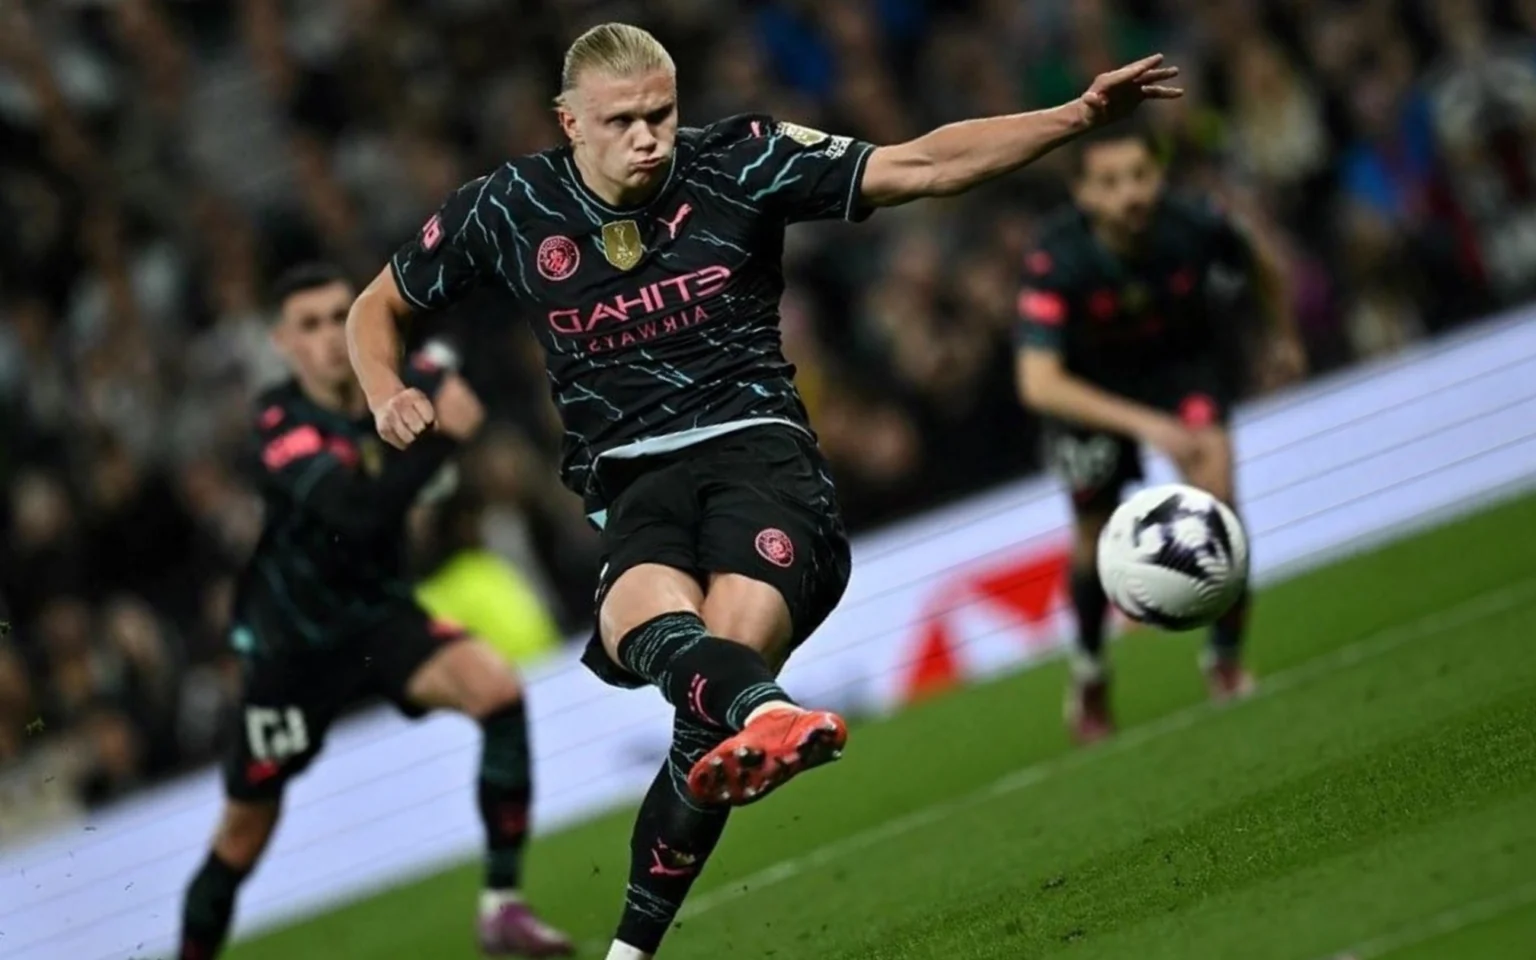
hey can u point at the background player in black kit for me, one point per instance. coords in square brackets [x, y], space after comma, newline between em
[1131, 332]
[324, 614]
[648, 260]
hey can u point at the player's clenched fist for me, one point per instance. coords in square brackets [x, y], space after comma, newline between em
[404, 417]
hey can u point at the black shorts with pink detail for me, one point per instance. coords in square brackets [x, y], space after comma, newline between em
[291, 691]
[1096, 466]
[759, 502]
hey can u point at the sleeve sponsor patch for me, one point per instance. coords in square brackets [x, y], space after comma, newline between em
[1042, 306]
[432, 233]
[296, 444]
[805, 136]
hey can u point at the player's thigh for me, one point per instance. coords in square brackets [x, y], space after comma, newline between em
[1202, 404]
[421, 663]
[467, 676]
[286, 706]
[773, 543]
[1215, 473]
[750, 612]
[245, 828]
[650, 561]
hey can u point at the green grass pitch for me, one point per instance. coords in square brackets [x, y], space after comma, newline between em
[1376, 800]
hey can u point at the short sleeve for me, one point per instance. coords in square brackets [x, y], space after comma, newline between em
[800, 173]
[446, 256]
[1043, 307]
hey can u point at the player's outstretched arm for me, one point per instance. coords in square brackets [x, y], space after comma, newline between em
[1046, 386]
[400, 413]
[958, 156]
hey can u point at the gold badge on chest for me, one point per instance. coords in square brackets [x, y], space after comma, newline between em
[621, 243]
[370, 452]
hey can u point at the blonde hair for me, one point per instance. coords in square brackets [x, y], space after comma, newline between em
[613, 48]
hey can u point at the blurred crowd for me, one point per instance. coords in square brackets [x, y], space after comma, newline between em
[161, 160]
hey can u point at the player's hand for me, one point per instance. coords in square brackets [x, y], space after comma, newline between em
[1116, 95]
[459, 411]
[1285, 362]
[404, 417]
[1186, 447]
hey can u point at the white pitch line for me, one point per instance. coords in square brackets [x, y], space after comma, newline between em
[1481, 607]
[1450, 921]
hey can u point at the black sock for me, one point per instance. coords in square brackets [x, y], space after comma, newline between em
[715, 681]
[673, 838]
[504, 791]
[209, 908]
[1227, 633]
[1090, 603]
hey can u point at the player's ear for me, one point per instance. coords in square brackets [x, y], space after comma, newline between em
[567, 117]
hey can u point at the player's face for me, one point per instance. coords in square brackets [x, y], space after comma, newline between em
[623, 127]
[311, 334]
[1119, 185]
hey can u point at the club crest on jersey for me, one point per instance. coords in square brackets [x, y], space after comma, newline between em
[558, 258]
[621, 243]
[805, 136]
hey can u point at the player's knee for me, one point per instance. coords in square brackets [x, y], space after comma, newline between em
[499, 690]
[475, 680]
[641, 594]
[244, 831]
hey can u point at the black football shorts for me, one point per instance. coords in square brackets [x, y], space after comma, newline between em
[291, 691]
[1096, 465]
[758, 502]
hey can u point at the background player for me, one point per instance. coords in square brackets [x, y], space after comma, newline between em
[325, 614]
[648, 260]
[1131, 334]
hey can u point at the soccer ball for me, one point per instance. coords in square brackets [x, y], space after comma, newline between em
[1174, 557]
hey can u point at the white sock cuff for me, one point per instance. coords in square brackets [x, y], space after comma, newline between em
[770, 705]
[493, 900]
[623, 951]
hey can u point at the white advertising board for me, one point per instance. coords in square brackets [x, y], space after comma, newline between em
[963, 592]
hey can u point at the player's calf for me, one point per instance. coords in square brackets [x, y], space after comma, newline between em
[1086, 710]
[209, 906]
[1223, 659]
[651, 628]
[717, 682]
[673, 838]
[471, 678]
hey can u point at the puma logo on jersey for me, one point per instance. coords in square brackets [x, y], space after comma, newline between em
[677, 220]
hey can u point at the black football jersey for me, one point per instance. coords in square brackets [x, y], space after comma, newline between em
[331, 559]
[1118, 320]
[659, 323]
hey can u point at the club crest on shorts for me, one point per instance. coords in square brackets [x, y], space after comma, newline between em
[621, 243]
[805, 136]
[558, 258]
[775, 546]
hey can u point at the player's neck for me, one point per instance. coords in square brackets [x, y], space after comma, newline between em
[345, 398]
[1121, 243]
[606, 190]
